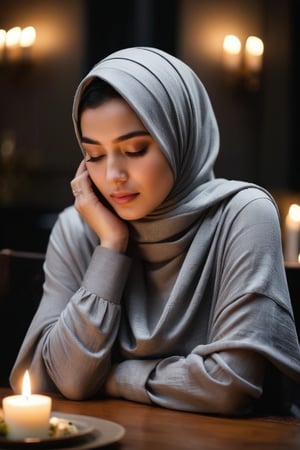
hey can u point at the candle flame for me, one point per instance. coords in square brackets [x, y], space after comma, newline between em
[28, 36]
[232, 44]
[26, 388]
[294, 212]
[13, 36]
[254, 46]
[2, 38]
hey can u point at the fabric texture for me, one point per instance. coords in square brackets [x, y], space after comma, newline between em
[192, 315]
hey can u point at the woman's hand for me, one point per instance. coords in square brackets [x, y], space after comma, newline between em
[111, 230]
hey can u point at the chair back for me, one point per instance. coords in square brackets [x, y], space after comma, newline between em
[21, 284]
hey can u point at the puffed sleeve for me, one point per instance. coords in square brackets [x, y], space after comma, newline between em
[68, 344]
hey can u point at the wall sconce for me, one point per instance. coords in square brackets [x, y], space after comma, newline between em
[243, 65]
[16, 45]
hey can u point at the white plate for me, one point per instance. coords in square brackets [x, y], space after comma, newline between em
[92, 433]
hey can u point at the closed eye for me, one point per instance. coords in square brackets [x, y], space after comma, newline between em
[141, 152]
[135, 154]
[94, 158]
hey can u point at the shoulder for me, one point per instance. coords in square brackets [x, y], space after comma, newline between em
[250, 214]
[70, 248]
[71, 227]
[70, 217]
[254, 203]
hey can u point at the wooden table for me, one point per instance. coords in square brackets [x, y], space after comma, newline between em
[150, 427]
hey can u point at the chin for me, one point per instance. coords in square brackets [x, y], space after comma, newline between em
[130, 215]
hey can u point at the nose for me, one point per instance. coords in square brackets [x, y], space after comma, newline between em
[116, 171]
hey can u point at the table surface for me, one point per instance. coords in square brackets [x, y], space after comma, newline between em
[150, 427]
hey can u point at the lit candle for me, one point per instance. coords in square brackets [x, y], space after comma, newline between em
[254, 50]
[232, 52]
[26, 415]
[13, 49]
[2, 43]
[292, 234]
[27, 40]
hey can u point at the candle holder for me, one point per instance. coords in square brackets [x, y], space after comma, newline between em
[243, 64]
[16, 45]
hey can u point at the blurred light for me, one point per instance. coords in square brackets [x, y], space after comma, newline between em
[294, 212]
[243, 63]
[28, 36]
[254, 45]
[2, 38]
[13, 36]
[232, 44]
[15, 45]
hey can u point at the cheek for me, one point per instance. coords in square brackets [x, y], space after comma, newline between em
[160, 176]
[95, 175]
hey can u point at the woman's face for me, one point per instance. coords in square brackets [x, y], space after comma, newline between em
[123, 160]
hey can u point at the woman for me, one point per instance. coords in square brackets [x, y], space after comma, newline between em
[163, 284]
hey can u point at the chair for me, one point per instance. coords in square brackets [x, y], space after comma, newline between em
[21, 281]
[293, 279]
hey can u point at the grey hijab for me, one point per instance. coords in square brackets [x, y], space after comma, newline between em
[174, 106]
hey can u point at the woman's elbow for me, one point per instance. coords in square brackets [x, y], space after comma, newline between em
[76, 391]
[233, 402]
[79, 388]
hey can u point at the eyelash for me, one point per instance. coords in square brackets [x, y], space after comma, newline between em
[137, 154]
[94, 158]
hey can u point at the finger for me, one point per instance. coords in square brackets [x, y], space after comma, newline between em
[81, 183]
[81, 171]
[76, 188]
[81, 168]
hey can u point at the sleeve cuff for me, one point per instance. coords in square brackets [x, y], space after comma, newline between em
[131, 377]
[107, 274]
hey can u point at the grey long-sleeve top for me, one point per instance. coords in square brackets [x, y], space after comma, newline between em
[206, 353]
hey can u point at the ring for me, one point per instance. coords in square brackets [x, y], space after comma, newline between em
[76, 192]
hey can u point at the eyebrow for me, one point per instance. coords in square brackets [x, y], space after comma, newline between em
[124, 137]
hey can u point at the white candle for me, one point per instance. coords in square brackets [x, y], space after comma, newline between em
[292, 234]
[231, 53]
[254, 50]
[13, 49]
[27, 40]
[2, 43]
[26, 415]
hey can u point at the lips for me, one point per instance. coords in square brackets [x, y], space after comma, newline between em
[122, 198]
